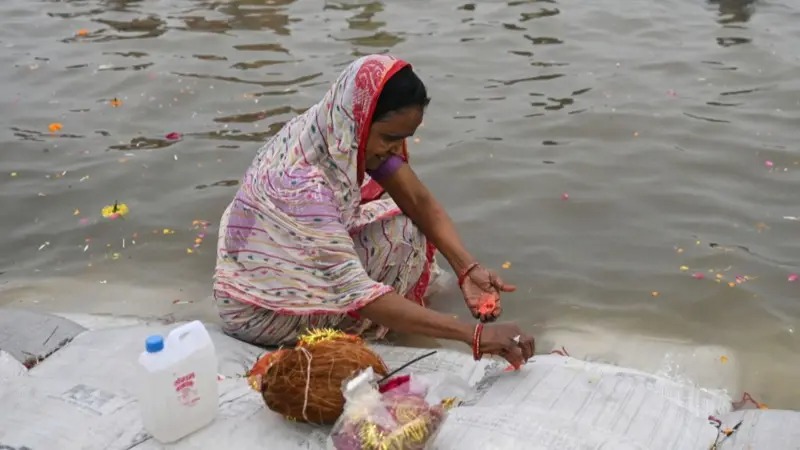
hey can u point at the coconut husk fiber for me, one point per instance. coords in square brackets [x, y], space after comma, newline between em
[305, 383]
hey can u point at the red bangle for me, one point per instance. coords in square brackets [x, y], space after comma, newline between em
[476, 342]
[464, 273]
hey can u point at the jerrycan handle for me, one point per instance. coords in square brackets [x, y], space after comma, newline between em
[188, 337]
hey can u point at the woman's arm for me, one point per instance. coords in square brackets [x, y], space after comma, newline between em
[402, 315]
[417, 202]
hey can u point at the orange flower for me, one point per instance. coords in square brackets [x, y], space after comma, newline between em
[82, 32]
[55, 126]
[487, 304]
[260, 368]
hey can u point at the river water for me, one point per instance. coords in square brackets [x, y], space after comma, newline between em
[608, 154]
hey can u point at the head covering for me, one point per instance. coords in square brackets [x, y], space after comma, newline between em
[285, 240]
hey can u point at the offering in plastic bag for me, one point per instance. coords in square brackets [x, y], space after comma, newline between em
[404, 413]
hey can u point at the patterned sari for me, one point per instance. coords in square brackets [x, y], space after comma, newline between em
[310, 238]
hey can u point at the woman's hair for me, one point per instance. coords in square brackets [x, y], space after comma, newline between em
[402, 90]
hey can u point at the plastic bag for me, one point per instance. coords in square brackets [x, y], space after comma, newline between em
[404, 413]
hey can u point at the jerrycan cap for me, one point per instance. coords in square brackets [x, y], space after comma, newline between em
[154, 343]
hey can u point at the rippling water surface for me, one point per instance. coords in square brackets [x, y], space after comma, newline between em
[671, 126]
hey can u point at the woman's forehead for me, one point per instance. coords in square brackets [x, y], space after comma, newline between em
[403, 122]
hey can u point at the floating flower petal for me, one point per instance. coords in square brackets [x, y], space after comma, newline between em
[115, 211]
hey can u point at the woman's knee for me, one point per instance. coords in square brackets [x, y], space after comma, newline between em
[395, 233]
[393, 251]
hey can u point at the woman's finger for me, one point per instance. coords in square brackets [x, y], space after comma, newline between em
[503, 287]
[513, 356]
[526, 344]
[507, 288]
[497, 311]
[500, 285]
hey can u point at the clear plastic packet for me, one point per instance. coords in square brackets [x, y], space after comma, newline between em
[403, 413]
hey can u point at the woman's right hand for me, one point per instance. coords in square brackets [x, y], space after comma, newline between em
[509, 341]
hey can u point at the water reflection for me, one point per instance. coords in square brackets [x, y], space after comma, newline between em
[238, 135]
[291, 82]
[734, 11]
[526, 79]
[513, 27]
[266, 47]
[255, 15]
[142, 143]
[258, 115]
[221, 183]
[364, 19]
[380, 39]
[526, 2]
[543, 40]
[731, 41]
[120, 5]
[705, 119]
[139, 28]
[544, 12]
[554, 104]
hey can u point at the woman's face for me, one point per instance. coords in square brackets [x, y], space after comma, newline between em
[386, 136]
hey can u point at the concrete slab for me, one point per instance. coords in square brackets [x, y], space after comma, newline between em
[30, 337]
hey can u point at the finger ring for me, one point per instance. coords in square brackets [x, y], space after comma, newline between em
[516, 339]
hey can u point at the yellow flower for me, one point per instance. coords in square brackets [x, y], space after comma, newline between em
[115, 211]
[313, 336]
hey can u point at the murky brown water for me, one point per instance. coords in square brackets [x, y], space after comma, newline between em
[658, 120]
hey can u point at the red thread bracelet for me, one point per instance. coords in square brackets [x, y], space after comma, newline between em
[476, 342]
[465, 273]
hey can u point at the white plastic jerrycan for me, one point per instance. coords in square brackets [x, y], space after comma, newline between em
[178, 391]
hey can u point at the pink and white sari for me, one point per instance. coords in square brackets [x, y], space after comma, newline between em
[308, 239]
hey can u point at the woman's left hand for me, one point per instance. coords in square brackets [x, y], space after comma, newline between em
[481, 289]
